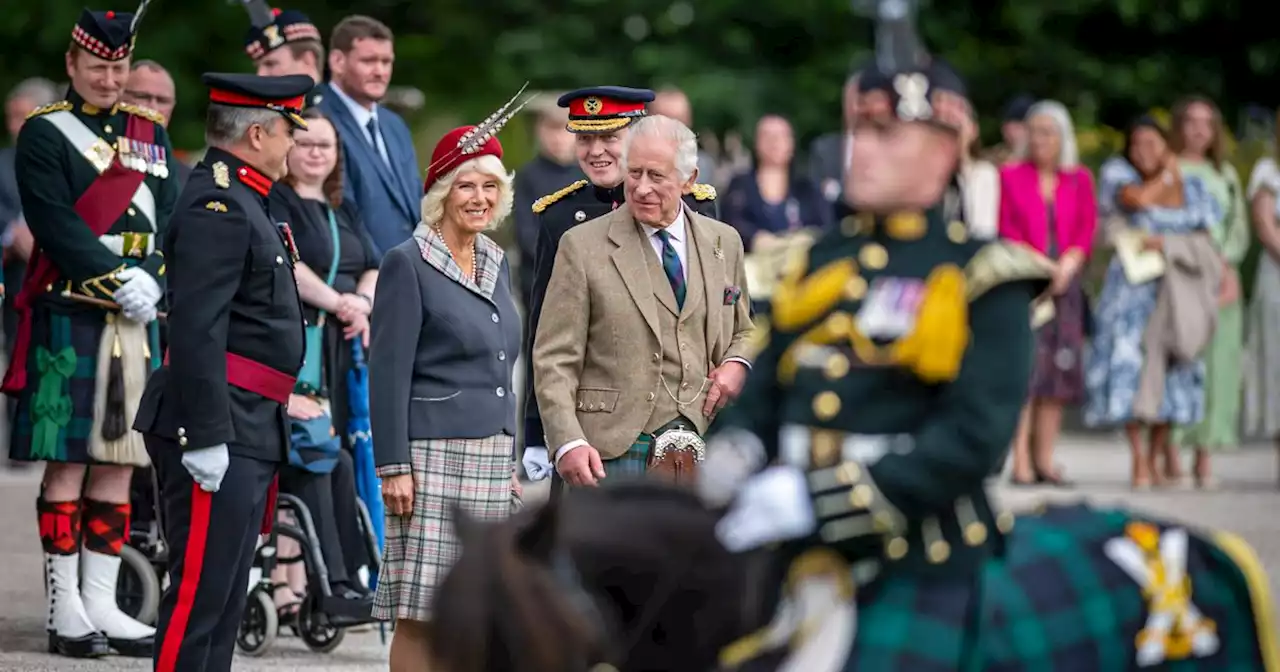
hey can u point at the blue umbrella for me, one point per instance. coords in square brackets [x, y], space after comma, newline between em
[360, 435]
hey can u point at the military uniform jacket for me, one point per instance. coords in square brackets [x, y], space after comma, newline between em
[54, 168]
[898, 432]
[231, 292]
[557, 213]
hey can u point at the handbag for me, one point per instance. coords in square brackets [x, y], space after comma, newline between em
[313, 445]
[311, 377]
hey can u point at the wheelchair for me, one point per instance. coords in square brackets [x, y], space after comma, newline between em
[320, 623]
[143, 557]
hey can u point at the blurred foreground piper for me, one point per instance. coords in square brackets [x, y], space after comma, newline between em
[886, 390]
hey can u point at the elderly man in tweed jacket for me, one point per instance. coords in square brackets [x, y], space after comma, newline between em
[645, 326]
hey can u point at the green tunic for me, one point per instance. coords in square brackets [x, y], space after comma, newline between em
[55, 409]
[1220, 427]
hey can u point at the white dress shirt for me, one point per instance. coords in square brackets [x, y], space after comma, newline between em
[362, 115]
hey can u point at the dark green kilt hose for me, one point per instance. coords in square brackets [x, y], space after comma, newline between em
[1055, 601]
[54, 412]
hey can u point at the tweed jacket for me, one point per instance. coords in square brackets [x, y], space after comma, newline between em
[596, 356]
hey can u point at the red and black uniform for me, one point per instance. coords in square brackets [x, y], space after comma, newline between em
[235, 348]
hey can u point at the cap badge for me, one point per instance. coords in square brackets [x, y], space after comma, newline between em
[913, 90]
[593, 105]
[272, 33]
[221, 175]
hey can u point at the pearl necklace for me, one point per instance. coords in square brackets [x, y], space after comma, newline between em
[475, 257]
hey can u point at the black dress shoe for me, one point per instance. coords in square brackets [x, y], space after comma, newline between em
[133, 648]
[92, 645]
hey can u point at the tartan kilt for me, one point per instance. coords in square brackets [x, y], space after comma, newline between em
[420, 550]
[1055, 602]
[73, 338]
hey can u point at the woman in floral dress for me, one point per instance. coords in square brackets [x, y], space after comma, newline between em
[1150, 191]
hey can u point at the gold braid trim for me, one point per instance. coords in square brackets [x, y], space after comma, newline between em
[546, 201]
[51, 107]
[998, 263]
[139, 111]
[103, 286]
[599, 125]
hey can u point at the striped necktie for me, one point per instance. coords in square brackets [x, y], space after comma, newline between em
[671, 266]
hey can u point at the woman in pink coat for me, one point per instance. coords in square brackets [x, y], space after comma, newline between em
[1047, 202]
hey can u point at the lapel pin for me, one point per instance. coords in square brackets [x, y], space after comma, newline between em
[719, 251]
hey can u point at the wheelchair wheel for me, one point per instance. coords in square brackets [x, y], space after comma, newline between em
[258, 625]
[314, 627]
[138, 586]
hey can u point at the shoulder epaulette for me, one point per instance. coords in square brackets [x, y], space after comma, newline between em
[59, 106]
[144, 112]
[997, 263]
[542, 203]
[703, 192]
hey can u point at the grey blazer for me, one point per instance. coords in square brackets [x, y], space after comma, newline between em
[442, 349]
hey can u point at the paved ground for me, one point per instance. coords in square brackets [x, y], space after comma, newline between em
[1248, 504]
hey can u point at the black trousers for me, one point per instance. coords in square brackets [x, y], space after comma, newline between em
[331, 499]
[212, 538]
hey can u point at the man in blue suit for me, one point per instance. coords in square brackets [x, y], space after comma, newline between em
[380, 166]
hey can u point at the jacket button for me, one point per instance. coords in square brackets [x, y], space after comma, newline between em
[132, 212]
[501, 392]
[579, 405]
[650, 397]
[279, 260]
[182, 440]
[657, 356]
[494, 317]
[182, 431]
[502, 356]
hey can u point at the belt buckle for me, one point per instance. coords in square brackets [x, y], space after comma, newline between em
[679, 439]
[133, 245]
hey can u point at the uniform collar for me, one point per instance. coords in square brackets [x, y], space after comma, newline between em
[943, 221]
[81, 106]
[615, 195]
[248, 175]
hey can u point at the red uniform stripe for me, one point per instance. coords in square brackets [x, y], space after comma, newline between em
[609, 107]
[231, 98]
[193, 564]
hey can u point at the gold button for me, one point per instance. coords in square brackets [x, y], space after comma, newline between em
[939, 551]
[861, 496]
[957, 232]
[906, 226]
[107, 128]
[855, 288]
[837, 366]
[182, 440]
[848, 473]
[132, 211]
[1004, 522]
[826, 405]
[591, 407]
[649, 397]
[883, 521]
[874, 256]
[975, 533]
[824, 452]
[896, 549]
[580, 405]
[657, 356]
[850, 226]
[839, 324]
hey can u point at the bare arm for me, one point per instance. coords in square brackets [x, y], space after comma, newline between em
[314, 291]
[367, 284]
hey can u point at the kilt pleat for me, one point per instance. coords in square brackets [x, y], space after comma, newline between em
[420, 549]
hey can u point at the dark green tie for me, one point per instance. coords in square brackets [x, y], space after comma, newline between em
[671, 266]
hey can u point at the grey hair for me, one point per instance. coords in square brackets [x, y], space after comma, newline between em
[148, 64]
[1069, 154]
[38, 90]
[488, 164]
[666, 128]
[225, 125]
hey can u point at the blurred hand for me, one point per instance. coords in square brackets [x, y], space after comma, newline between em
[302, 407]
[581, 466]
[726, 384]
[1229, 288]
[358, 326]
[516, 488]
[1153, 244]
[397, 494]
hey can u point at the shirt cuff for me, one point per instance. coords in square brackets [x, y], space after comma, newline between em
[568, 447]
[388, 470]
[738, 360]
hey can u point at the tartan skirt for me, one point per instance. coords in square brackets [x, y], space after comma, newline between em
[54, 412]
[420, 550]
[1056, 602]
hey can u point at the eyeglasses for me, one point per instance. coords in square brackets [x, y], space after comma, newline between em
[307, 146]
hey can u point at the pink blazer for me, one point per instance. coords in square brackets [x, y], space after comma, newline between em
[1023, 214]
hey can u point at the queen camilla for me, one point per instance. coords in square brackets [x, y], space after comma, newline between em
[445, 335]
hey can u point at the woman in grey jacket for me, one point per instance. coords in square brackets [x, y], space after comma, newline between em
[445, 335]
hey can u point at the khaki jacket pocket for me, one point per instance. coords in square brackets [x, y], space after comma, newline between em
[597, 399]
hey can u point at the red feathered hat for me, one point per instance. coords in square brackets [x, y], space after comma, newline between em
[468, 142]
[451, 152]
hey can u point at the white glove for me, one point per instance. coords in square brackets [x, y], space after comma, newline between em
[139, 288]
[536, 463]
[732, 457]
[142, 313]
[207, 466]
[772, 506]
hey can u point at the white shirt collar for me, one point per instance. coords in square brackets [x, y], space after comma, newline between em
[675, 230]
[361, 115]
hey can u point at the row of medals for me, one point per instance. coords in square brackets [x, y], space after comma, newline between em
[143, 157]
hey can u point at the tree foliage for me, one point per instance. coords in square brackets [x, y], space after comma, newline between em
[1106, 59]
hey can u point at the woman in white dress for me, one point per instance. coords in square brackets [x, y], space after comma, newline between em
[1262, 347]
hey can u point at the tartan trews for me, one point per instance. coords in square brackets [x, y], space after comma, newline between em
[420, 549]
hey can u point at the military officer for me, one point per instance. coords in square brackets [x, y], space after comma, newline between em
[95, 183]
[289, 45]
[598, 117]
[214, 413]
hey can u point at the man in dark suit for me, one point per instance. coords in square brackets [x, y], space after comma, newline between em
[213, 415]
[150, 86]
[380, 165]
[553, 167]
